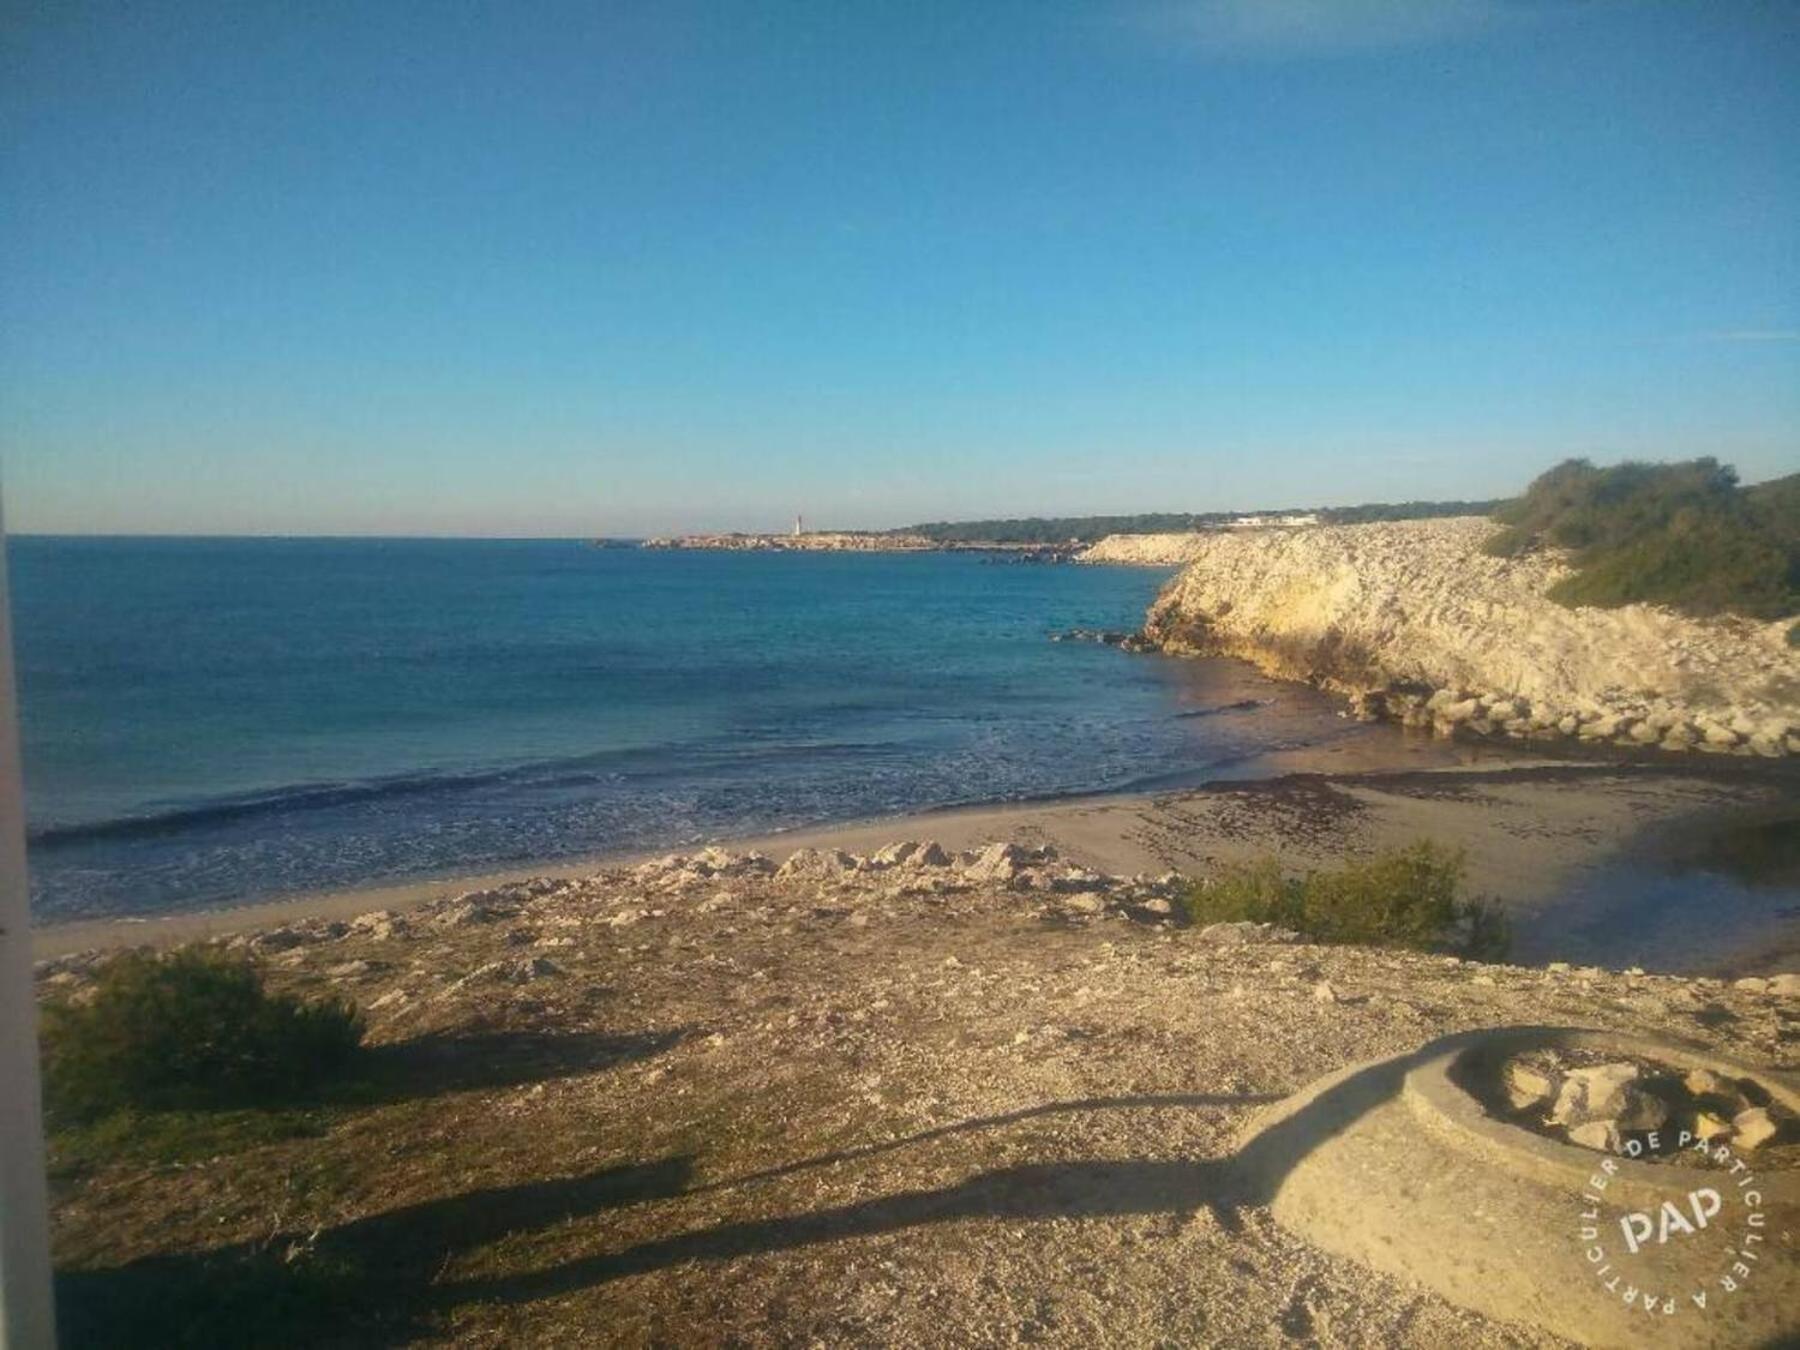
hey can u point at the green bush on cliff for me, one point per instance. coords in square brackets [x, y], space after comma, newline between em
[1684, 535]
[1404, 897]
[190, 1029]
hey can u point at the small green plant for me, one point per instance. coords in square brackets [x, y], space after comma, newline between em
[1404, 897]
[190, 1030]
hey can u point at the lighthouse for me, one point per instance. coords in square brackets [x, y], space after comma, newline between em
[799, 525]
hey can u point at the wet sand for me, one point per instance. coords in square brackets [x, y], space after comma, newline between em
[1535, 831]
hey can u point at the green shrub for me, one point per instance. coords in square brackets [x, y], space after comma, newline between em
[1404, 897]
[1256, 891]
[189, 1030]
[1684, 535]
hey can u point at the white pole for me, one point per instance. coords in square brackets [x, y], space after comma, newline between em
[26, 1318]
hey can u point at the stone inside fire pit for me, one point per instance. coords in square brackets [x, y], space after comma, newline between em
[1614, 1103]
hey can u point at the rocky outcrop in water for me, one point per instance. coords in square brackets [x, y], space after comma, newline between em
[1413, 622]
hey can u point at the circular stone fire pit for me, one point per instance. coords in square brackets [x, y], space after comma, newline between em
[1400, 1165]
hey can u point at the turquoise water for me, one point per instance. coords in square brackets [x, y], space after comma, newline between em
[210, 721]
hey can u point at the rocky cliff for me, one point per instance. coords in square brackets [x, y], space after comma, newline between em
[1148, 550]
[1413, 621]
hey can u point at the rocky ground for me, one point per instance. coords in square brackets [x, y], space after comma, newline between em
[1417, 624]
[904, 1098]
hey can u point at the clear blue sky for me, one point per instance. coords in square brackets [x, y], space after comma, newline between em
[545, 268]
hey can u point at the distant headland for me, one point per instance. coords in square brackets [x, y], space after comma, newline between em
[1039, 538]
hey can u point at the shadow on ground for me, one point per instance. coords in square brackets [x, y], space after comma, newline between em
[375, 1281]
[364, 1283]
[1077, 1190]
[431, 1066]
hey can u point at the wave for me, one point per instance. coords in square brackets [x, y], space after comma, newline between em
[578, 771]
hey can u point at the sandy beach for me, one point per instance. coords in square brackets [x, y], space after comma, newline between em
[1534, 829]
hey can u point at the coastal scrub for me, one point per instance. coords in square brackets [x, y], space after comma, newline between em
[1405, 897]
[193, 1029]
[1684, 535]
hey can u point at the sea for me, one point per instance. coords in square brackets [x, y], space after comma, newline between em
[216, 721]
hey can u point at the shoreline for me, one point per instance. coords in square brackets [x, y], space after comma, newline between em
[1376, 748]
[1578, 814]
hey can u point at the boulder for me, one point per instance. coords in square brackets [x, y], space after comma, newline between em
[470, 910]
[1753, 1128]
[930, 854]
[656, 867]
[1455, 713]
[754, 863]
[1679, 737]
[1608, 1092]
[816, 864]
[1785, 986]
[998, 863]
[1708, 1127]
[892, 855]
[1707, 1084]
[1530, 1087]
[378, 925]
[1599, 1135]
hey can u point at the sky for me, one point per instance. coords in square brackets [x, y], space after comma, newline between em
[624, 268]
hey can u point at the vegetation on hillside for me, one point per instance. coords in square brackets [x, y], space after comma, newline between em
[1369, 512]
[1088, 529]
[1684, 535]
[1404, 897]
[1060, 529]
[194, 1029]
